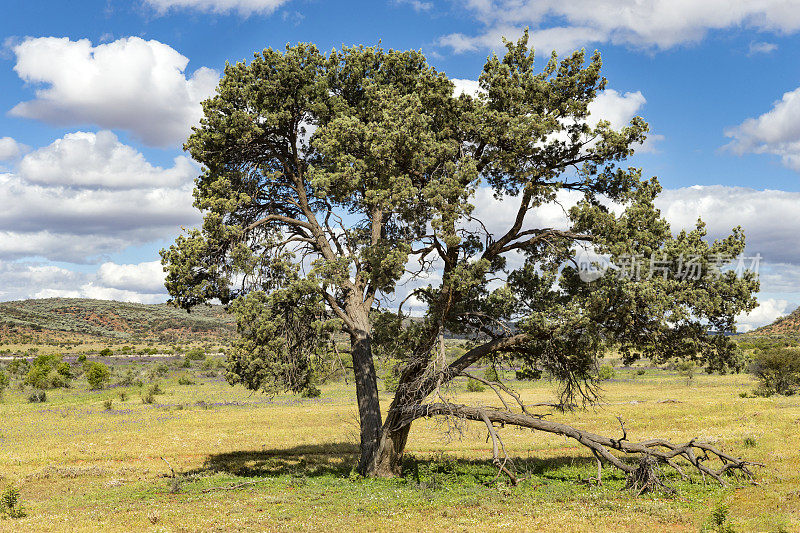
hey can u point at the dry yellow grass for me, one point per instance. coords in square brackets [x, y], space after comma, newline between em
[81, 468]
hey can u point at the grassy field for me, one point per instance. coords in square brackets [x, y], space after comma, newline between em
[82, 467]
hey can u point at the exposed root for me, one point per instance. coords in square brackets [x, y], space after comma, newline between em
[647, 477]
[650, 453]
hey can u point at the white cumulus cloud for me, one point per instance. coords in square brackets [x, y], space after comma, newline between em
[95, 160]
[768, 311]
[10, 149]
[128, 84]
[142, 277]
[87, 195]
[660, 24]
[775, 132]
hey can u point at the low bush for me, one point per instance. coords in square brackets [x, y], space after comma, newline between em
[18, 366]
[48, 372]
[97, 375]
[606, 372]
[186, 380]
[311, 392]
[475, 386]
[10, 506]
[777, 371]
[686, 369]
[196, 354]
[37, 396]
[149, 394]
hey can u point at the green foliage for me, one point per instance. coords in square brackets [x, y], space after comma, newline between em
[186, 380]
[474, 385]
[149, 394]
[48, 371]
[106, 352]
[82, 358]
[398, 158]
[311, 391]
[196, 354]
[18, 366]
[10, 506]
[391, 375]
[686, 369]
[4, 382]
[108, 404]
[528, 373]
[718, 521]
[777, 370]
[491, 373]
[97, 375]
[37, 396]
[285, 337]
[157, 371]
[606, 372]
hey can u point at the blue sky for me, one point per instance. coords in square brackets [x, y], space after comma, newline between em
[96, 97]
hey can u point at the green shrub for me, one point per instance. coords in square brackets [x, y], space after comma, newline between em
[640, 371]
[491, 373]
[391, 377]
[606, 372]
[82, 358]
[186, 380]
[18, 366]
[106, 352]
[159, 370]
[311, 392]
[10, 506]
[4, 381]
[97, 375]
[196, 354]
[528, 373]
[777, 371]
[48, 372]
[149, 394]
[108, 404]
[686, 369]
[37, 396]
[474, 386]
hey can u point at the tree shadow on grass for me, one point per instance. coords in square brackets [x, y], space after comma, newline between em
[309, 460]
[338, 459]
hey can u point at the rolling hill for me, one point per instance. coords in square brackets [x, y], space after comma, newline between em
[786, 325]
[80, 320]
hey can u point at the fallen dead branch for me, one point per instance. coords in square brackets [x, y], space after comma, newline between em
[649, 454]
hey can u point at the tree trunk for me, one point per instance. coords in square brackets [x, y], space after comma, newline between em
[369, 409]
[389, 455]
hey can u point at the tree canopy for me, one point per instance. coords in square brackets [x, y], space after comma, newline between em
[332, 181]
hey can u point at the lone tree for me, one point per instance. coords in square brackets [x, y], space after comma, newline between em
[331, 180]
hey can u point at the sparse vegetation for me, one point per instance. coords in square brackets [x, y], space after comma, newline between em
[48, 371]
[10, 506]
[606, 372]
[97, 375]
[777, 370]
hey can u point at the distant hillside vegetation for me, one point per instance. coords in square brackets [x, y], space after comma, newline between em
[80, 319]
[787, 325]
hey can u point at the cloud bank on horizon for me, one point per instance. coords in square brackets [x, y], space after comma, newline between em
[91, 192]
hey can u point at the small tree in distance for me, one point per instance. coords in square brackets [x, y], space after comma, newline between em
[329, 179]
[97, 375]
